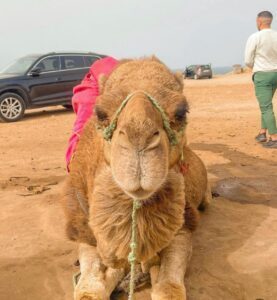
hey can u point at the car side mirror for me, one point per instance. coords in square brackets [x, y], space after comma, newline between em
[35, 72]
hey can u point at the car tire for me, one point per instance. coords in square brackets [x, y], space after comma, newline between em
[68, 106]
[196, 77]
[12, 107]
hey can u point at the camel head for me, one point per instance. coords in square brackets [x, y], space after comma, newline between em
[141, 151]
[135, 101]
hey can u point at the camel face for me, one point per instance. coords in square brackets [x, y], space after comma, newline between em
[139, 152]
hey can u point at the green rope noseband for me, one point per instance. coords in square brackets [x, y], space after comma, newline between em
[108, 131]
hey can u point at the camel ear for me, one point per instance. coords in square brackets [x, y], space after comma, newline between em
[101, 83]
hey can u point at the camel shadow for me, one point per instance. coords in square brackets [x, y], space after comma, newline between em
[232, 251]
[245, 179]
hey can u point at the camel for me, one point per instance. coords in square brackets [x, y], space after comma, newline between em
[135, 150]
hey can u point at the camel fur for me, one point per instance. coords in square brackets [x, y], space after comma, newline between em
[139, 162]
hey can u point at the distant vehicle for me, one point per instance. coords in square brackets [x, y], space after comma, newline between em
[198, 71]
[41, 80]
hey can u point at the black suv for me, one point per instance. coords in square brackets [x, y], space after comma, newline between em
[41, 80]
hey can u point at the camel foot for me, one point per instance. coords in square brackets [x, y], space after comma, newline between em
[90, 297]
[168, 290]
[90, 290]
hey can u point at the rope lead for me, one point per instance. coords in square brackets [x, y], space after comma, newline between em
[133, 246]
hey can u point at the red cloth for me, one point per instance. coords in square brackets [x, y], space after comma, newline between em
[84, 97]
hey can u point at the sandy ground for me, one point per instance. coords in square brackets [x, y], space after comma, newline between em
[235, 246]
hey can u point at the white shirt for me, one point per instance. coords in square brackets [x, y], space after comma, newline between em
[261, 51]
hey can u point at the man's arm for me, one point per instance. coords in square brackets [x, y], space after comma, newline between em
[250, 51]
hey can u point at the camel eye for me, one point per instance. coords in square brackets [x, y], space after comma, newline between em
[101, 114]
[156, 133]
[121, 132]
[181, 111]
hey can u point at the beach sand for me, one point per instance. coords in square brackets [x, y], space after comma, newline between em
[235, 246]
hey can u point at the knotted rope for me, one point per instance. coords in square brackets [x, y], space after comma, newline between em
[133, 246]
[108, 131]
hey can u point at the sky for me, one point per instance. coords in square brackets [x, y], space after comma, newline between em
[179, 32]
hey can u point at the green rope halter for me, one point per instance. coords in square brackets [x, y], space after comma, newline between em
[108, 131]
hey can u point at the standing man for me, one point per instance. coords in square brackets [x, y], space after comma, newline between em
[261, 55]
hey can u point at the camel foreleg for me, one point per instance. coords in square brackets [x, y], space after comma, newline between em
[168, 280]
[96, 281]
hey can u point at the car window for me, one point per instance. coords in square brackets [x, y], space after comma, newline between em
[49, 64]
[206, 67]
[72, 62]
[89, 60]
[20, 65]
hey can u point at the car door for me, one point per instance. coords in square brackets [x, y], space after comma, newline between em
[74, 68]
[73, 71]
[189, 71]
[45, 86]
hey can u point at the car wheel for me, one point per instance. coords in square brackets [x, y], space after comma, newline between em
[68, 106]
[196, 77]
[12, 107]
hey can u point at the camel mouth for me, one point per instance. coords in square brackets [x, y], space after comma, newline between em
[140, 194]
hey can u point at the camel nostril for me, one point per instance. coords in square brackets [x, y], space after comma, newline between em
[153, 141]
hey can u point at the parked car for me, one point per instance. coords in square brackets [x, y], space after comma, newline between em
[198, 71]
[41, 80]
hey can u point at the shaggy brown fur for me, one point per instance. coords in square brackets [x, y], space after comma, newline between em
[158, 219]
[109, 175]
[191, 217]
